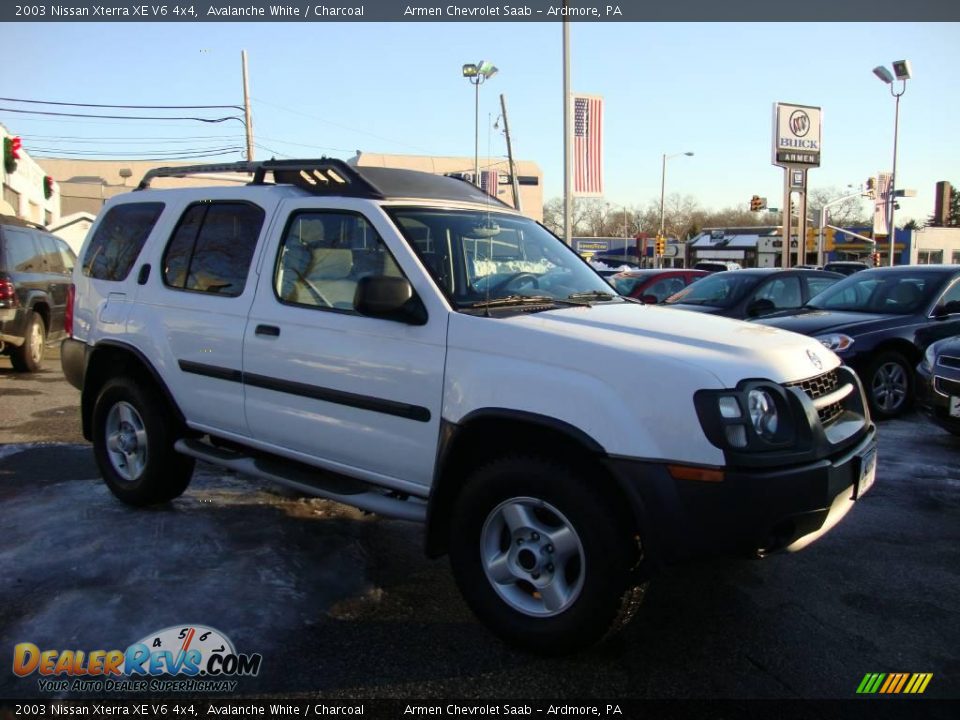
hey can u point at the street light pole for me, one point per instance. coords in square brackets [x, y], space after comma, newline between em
[902, 71]
[663, 183]
[476, 74]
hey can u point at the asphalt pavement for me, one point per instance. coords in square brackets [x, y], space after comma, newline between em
[342, 604]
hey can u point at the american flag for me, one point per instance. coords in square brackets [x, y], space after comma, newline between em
[588, 145]
[489, 182]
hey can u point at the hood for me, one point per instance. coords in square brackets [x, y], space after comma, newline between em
[817, 322]
[652, 342]
[705, 309]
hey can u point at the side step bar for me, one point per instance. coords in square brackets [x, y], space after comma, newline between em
[310, 481]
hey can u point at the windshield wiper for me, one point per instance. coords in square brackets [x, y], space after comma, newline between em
[595, 294]
[525, 300]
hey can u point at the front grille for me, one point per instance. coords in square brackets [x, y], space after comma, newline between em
[819, 386]
[948, 361]
[947, 387]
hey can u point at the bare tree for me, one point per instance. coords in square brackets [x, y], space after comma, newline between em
[848, 213]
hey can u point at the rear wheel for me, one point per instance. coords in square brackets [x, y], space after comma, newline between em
[133, 436]
[889, 380]
[542, 556]
[29, 356]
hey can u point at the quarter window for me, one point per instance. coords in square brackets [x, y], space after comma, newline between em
[212, 248]
[118, 240]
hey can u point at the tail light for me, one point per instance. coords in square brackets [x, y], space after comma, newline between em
[8, 294]
[68, 312]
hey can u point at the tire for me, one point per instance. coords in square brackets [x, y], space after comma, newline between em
[133, 436]
[889, 385]
[29, 356]
[539, 525]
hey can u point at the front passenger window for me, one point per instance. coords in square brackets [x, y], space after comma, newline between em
[324, 255]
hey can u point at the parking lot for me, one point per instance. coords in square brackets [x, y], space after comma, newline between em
[342, 604]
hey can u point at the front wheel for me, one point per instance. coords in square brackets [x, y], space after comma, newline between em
[542, 556]
[133, 436]
[889, 380]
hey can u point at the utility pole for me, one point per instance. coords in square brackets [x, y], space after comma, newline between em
[513, 168]
[247, 115]
[567, 145]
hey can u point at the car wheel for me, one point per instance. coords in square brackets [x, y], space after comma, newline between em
[29, 356]
[133, 436]
[889, 383]
[542, 556]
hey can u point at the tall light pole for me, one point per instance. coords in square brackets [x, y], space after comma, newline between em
[663, 181]
[476, 74]
[901, 68]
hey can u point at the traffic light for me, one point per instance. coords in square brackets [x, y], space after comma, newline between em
[876, 259]
[871, 191]
[661, 244]
[755, 203]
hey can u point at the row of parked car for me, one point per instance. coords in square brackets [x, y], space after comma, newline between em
[880, 321]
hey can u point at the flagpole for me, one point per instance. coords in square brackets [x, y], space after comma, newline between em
[567, 147]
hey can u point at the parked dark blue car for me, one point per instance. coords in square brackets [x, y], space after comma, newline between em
[880, 322]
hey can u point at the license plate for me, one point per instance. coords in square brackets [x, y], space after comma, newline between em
[868, 473]
[955, 406]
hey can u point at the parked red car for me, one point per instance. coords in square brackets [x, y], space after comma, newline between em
[654, 286]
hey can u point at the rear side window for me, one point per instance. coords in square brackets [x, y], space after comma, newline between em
[119, 238]
[21, 253]
[212, 248]
[52, 261]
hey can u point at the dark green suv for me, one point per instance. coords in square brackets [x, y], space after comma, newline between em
[35, 271]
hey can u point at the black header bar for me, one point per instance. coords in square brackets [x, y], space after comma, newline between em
[191, 11]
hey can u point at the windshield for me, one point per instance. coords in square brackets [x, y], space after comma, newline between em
[721, 290]
[872, 292]
[477, 256]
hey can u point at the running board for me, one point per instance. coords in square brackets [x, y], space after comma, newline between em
[310, 481]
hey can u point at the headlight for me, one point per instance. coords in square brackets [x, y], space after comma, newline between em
[763, 413]
[928, 359]
[838, 342]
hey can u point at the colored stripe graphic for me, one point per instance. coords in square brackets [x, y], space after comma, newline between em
[894, 683]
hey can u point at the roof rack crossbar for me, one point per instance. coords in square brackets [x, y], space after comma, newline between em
[317, 176]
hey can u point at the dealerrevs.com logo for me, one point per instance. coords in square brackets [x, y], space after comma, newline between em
[182, 658]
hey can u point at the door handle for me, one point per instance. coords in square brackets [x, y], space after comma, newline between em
[267, 330]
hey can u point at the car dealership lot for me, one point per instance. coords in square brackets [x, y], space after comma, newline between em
[344, 604]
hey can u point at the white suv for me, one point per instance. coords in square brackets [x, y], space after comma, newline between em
[403, 343]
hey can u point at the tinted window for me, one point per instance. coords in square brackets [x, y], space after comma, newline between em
[324, 255]
[67, 257]
[722, 290]
[212, 248]
[52, 262]
[118, 240]
[875, 292]
[817, 285]
[22, 253]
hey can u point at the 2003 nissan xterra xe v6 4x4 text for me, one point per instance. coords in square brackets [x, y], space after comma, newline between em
[406, 344]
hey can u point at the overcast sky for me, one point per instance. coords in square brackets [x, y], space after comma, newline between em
[334, 88]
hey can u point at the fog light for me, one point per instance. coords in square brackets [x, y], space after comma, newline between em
[736, 435]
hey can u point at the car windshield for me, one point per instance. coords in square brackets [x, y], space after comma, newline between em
[721, 290]
[871, 292]
[477, 257]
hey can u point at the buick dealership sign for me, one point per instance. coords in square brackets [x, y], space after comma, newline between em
[796, 135]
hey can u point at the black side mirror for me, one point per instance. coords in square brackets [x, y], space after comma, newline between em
[389, 298]
[950, 308]
[649, 299]
[763, 306]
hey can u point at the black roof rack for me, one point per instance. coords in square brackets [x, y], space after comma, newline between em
[330, 176]
[319, 176]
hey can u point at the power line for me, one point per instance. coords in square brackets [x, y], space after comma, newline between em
[96, 153]
[121, 117]
[126, 107]
[180, 156]
[93, 139]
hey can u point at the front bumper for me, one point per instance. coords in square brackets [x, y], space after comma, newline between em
[757, 511]
[933, 398]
